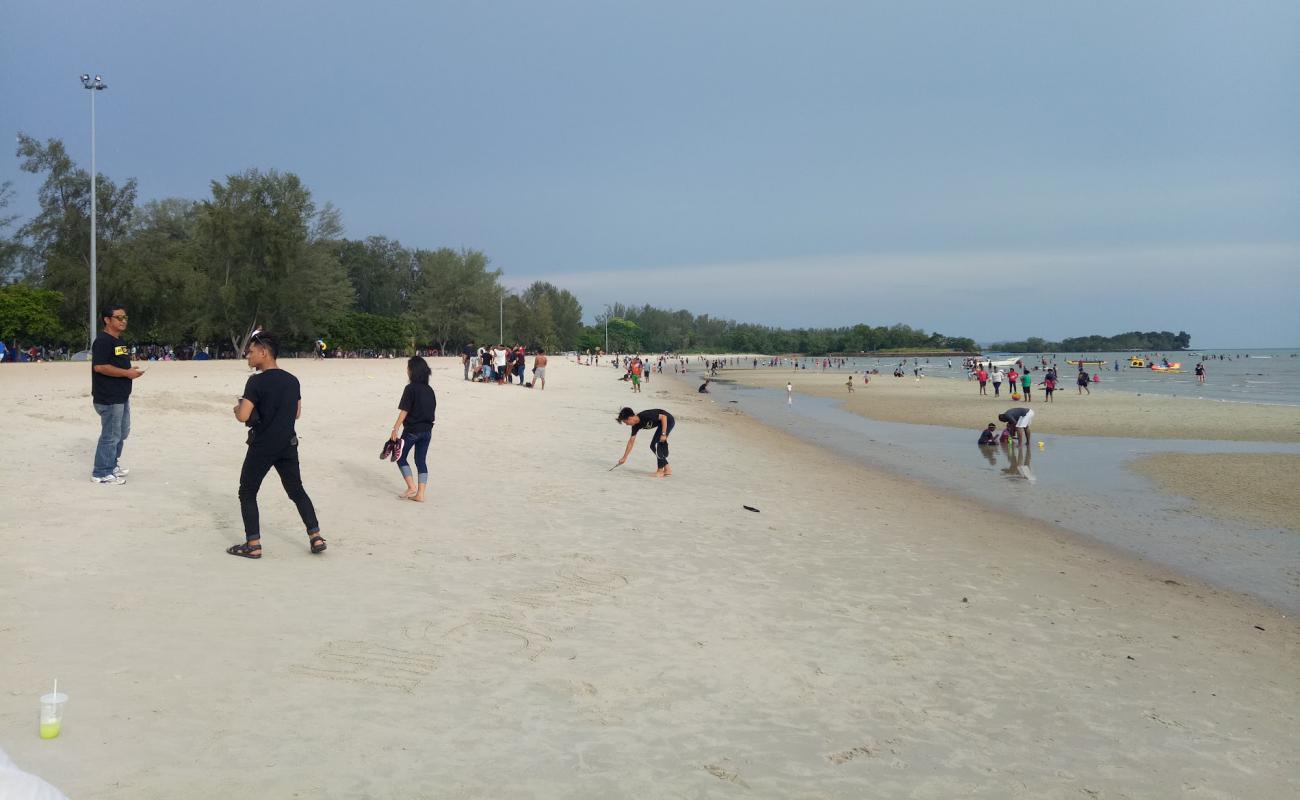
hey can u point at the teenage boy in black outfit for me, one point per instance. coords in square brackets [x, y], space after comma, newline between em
[271, 402]
[662, 422]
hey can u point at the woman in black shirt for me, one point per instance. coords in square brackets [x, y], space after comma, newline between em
[415, 420]
[271, 402]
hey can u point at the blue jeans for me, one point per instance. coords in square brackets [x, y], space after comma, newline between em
[420, 443]
[114, 427]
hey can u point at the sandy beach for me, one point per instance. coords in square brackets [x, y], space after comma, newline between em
[544, 627]
[1260, 488]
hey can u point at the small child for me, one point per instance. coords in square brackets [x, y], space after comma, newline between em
[989, 436]
[1008, 433]
[1049, 386]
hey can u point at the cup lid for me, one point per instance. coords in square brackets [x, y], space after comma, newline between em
[54, 698]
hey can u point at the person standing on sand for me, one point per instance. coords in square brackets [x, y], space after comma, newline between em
[981, 375]
[850, 384]
[1027, 383]
[997, 381]
[662, 422]
[467, 360]
[539, 369]
[1021, 418]
[415, 415]
[111, 374]
[1200, 372]
[272, 400]
[1082, 381]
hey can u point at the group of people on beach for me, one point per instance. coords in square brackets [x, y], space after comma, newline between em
[271, 403]
[501, 365]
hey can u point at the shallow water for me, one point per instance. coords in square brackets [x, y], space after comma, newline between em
[1253, 376]
[1082, 484]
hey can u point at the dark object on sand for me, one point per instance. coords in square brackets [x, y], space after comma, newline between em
[751, 508]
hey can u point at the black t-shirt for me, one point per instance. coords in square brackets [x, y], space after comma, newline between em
[1014, 414]
[650, 419]
[274, 395]
[468, 351]
[106, 389]
[419, 402]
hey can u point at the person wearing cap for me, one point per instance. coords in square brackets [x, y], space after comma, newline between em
[662, 422]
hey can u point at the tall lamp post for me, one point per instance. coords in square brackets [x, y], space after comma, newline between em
[95, 84]
[501, 316]
[608, 311]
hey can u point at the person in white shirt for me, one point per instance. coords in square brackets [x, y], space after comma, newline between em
[998, 377]
[499, 362]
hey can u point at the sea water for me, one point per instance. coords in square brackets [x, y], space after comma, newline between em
[1253, 376]
[1082, 484]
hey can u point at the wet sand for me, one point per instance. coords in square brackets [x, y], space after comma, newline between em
[543, 627]
[1259, 488]
[957, 403]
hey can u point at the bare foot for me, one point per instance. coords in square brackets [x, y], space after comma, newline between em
[409, 495]
[656, 475]
[415, 498]
[668, 472]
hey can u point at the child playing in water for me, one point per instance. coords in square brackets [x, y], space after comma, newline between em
[989, 436]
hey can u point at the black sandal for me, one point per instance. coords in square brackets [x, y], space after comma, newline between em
[317, 543]
[245, 550]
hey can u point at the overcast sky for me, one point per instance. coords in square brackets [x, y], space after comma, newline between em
[990, 169]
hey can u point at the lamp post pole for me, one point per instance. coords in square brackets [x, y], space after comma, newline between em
[94, 85]
[607, 313]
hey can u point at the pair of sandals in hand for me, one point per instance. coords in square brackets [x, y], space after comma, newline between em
[392, 450]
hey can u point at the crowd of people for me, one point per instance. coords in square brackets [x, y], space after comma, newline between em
[501, 365]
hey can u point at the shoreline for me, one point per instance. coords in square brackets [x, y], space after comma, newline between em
[1107, 413]
[612, 634]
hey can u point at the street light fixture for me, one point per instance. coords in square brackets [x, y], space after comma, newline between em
[501, 316]
[94, 85]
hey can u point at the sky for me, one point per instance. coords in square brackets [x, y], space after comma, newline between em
[995, 169]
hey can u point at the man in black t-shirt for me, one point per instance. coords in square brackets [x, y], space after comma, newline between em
[271, 402]
[111, 374]
[467, 359]
[662, 422]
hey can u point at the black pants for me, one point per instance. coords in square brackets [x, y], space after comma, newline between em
[256, 464]
[660, 449]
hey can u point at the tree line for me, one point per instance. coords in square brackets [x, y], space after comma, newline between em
[1162, 341]
[259, 251]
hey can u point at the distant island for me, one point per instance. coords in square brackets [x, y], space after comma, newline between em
[1133, 340]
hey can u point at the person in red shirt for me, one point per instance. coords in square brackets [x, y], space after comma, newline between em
[983, 378]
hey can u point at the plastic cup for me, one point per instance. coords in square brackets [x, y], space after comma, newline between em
[51, 721]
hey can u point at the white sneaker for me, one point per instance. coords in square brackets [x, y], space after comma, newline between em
[116, 479]
[121, 471]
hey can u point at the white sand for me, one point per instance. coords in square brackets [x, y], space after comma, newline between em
[545, 628]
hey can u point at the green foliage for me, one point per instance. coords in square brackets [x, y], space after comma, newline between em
[655, 330]
[1133, 340]
[29, 314]
[455, 298]
[59, 235]
[259, 253]
[262, 262]
[358, 330]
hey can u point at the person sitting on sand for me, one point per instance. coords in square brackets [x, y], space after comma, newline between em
[704, 387]
[989, 436]
[415, 417]
[1022, 417]
[658, 419]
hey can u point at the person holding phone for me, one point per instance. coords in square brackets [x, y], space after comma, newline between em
[111, 376]
[271, 402]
